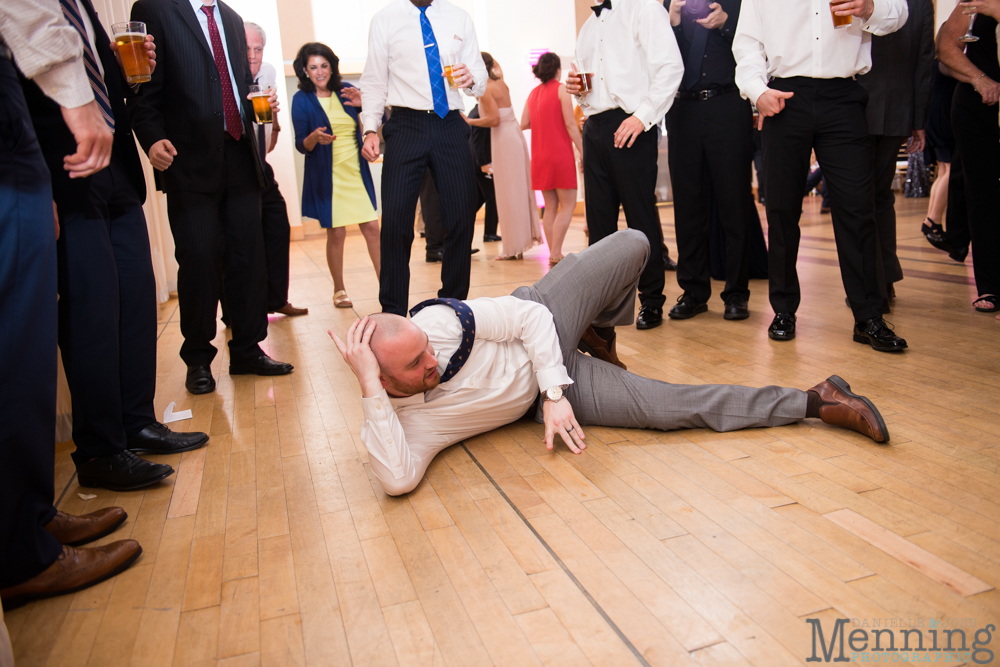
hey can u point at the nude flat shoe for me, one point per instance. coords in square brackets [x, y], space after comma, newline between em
[341, 300]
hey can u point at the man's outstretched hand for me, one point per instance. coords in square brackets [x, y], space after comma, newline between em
[559, 419]
[357, 352]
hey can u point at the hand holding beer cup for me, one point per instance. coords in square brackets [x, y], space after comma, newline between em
[573, 81]
[134, 50]
[460, 76]
[770, 103]
[161, 154]
[265, 102]
[846, 8]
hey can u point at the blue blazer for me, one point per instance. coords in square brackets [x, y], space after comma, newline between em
[317, 190]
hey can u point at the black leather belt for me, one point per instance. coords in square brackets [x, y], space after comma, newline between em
[702, 95]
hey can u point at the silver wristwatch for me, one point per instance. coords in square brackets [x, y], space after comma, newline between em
[554, 393]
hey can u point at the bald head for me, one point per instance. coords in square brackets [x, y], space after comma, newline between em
[405, 357]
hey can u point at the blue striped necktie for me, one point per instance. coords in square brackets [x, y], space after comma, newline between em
[438, 92]
[72, 14]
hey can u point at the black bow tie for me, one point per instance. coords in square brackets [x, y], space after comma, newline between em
[601, 7]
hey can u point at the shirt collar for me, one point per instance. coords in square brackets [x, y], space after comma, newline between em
[413, 9]
[196, 5]
[416, 399]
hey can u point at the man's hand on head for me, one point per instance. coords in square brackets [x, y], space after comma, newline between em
[357, 352]
[559, 418]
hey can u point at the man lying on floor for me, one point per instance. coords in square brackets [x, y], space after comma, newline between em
[457, 369]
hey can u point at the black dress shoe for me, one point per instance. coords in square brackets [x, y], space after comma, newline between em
[649, 318]
[668, 264]
[938, 240]
[123, 471]
[687, 307]
[491, 238]
[158, 439]
[736, 308]
[438, 255]
[199, 380]
[262, 365]
[877, 333]
[782, 327]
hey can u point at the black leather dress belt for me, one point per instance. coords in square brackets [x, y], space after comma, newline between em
[703, 95]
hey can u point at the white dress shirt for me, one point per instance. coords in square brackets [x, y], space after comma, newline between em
[396, 72]
[516, 354]
[47, 49]
[782, 38]
[266, 76]
[633, 54]
[203, 22]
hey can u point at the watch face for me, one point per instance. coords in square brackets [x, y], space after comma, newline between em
[554, 393]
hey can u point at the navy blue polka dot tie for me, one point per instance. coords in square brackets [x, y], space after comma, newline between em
[468, 321]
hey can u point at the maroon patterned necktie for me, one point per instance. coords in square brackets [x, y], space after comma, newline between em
[234, 124]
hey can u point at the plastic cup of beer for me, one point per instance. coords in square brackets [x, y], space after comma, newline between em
[586, 76]
[840, 21]
[130, 39]
[260, 96]
[449, 60]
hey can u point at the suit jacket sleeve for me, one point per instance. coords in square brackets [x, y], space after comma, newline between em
[144, 109]
[923, 73]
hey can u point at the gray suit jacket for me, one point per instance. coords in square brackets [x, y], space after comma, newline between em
[899, 83]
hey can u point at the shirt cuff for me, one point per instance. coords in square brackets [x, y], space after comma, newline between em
[754, 90]
[67, 84]
[878, 15]
[645, 113]
[551, 377]
[377, 408]
[371, 122]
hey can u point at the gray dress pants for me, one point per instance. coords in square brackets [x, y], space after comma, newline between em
[597, 286]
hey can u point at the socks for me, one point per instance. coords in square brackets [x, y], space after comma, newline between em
[813, 403]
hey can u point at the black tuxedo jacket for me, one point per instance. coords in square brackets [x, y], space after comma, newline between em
[57, 141]
[183, 101]
[902, 74]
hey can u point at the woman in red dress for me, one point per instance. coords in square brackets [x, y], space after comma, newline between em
[548, 113]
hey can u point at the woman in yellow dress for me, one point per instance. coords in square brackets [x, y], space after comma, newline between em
[338, 188]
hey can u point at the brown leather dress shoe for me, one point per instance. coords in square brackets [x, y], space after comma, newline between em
[75, 530]
[592, 343]
[842, 407]
[74, 570]
[291, 311]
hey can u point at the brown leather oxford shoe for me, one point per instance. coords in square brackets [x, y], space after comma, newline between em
[291, 311]
[74, 570]
[76, 530]
[842, 407]
[592, 343]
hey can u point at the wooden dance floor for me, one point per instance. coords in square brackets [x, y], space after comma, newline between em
[274, 545]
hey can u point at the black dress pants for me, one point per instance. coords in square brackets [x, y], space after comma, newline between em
[487, 196]
[418, 141]
[957, 217]
[277, 237]
[27, 343]
[828, 115]
[624, 178]
[884, 151]
[977, 137]
[711, 149]
[219, 233]
[430, 212]
[107, 314]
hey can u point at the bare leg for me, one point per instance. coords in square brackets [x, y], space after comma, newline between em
[335, 255]
[939, 194]
[548, 221]
[370, 231]
[567, 201]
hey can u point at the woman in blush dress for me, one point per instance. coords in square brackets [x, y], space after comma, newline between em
[516, 206]
[548, 113]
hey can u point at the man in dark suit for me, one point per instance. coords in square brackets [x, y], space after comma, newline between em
[194, 121]
[899, 93]
[710, 136]
[482, 158]
[107, 293]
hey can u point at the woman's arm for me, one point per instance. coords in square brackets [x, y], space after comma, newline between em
[526, 116]
[569, 120]
[951, 52]
[489, 112]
